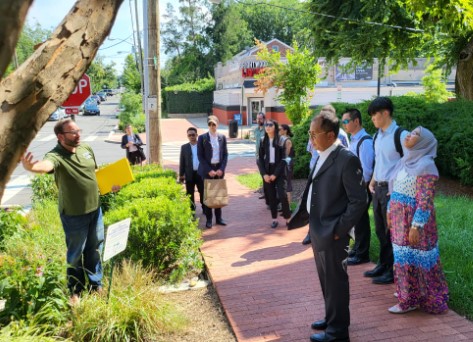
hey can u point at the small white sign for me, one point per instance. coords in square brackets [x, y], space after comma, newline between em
[152, 103]
[117, 238]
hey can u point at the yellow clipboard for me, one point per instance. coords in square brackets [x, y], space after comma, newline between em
[118, 173]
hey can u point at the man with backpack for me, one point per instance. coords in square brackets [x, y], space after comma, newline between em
[361, 145]
[388, 151]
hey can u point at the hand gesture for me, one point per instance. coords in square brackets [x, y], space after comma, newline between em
[219, 173]
[212, 173]
[272, 178]
[267, 179]
[27, 161]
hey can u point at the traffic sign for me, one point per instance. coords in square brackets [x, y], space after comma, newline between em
[80, 94]
[72, 110]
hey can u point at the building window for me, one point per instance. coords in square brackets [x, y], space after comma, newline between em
[275, 48]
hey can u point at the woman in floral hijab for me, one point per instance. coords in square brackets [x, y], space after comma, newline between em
[420, 282]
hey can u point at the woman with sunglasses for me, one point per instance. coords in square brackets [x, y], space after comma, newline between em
[272, 165]
[420, 282]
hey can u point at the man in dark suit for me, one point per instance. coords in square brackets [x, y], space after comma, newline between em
[213, 156]
[333, 201]
[188, 165]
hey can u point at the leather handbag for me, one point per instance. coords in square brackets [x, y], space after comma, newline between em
[215, 193]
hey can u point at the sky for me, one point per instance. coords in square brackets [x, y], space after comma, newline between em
[49, 13]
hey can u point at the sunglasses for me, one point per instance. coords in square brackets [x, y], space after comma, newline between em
[212, 124]
[191, 135]
[346, 121]
[269, 124]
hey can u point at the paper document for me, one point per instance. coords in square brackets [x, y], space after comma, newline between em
[118, 173]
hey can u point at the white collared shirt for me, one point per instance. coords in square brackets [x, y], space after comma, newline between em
[323, 155]
[215, 149]
[195, 159]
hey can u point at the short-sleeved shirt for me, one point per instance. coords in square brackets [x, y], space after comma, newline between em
[75, 178]
[259, 134]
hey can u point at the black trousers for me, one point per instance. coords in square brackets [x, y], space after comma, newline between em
[207, 210]
[191, 184]
[332, 270]
[380, 207]
[363, 233]
[275, 192]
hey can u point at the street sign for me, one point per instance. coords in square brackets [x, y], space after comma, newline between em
[72, 110]
[117, 237]
[80, 94]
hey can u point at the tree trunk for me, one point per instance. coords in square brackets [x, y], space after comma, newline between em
[464, 75]
[44, 81]
[12, 17]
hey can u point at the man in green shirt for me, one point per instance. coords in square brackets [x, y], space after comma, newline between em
[74, 167]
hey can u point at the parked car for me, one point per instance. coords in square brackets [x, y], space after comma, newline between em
[96, 98]
[91, 108]
[109, 92]
[58, 114]
[102, 95]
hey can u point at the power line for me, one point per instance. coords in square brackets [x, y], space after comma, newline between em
[397, 27]
[121, 41]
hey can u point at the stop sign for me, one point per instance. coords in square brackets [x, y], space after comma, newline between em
[80, 94]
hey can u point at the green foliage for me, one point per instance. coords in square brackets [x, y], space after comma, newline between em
[101, 75]
[32, 276]
[252, 181]
[132, 111]
[299, 142]
[135, 311]
[131, 77]
[201, 85]
[151, 171]
[11, 222]
[435, 89]
[44, 188]
[296, 79]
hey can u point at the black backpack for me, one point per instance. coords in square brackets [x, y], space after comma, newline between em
[397, 140]
[365, 137]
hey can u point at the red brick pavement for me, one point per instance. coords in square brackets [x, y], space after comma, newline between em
[268, 285]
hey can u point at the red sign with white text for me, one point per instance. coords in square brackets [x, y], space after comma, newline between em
[80, 94]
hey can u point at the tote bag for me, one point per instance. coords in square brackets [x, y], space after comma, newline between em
[215, 193]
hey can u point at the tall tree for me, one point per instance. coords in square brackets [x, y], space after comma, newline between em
[45, 80]
[101, 75]
[397, 32]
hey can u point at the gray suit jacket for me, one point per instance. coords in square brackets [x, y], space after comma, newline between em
[339, 198]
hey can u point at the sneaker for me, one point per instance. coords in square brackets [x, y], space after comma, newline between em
[396, 309]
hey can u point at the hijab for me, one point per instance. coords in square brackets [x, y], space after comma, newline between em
[419, 160]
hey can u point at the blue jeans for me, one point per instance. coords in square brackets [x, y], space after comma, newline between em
[84, 240]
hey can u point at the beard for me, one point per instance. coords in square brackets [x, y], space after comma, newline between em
[72, 143]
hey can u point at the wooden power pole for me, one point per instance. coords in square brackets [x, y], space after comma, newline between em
[154, 138]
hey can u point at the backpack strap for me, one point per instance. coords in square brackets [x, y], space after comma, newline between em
[397, 140]
[363, 138]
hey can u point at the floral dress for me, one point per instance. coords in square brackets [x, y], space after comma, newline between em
[418, 275]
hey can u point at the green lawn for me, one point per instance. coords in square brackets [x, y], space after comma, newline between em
[454, 220]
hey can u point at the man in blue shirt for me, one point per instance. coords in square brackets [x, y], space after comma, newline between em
[386, 158]
[361, 145]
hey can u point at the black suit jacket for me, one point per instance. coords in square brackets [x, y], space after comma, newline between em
[204, 152]
[263, 158]
[125, 141]
[186, 166]
[339, 198]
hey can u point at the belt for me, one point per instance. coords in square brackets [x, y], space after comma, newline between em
[216, 165]
[381, 184]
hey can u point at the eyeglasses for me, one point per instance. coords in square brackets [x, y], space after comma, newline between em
[269, 124]
[212, 124]
[314, 135]
[346, 121]
[79, 131]
[191, 135]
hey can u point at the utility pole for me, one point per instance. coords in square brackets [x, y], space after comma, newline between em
[152, 81]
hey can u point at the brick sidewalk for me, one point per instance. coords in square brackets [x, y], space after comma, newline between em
[267, 281]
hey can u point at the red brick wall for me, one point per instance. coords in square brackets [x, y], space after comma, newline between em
[224, 116]
[280, 117]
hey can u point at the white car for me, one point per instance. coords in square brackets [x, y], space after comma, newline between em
[58, 114]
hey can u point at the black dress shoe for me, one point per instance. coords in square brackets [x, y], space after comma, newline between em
[274, 224]
[319, 325]
[221, 222]
[208, 224]
[306, 240]
[386, 278]
[323, 337]
[375, 272]
[351, 253]
[356, 260]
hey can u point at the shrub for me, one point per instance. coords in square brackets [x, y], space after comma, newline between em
[151, 171]
[135, 311]
[132, 110]
[44, 188]
[163, 235]
[32, 270]
[10, 223]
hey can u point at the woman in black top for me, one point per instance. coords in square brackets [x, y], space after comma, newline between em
[286, 135]
[272, 166]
